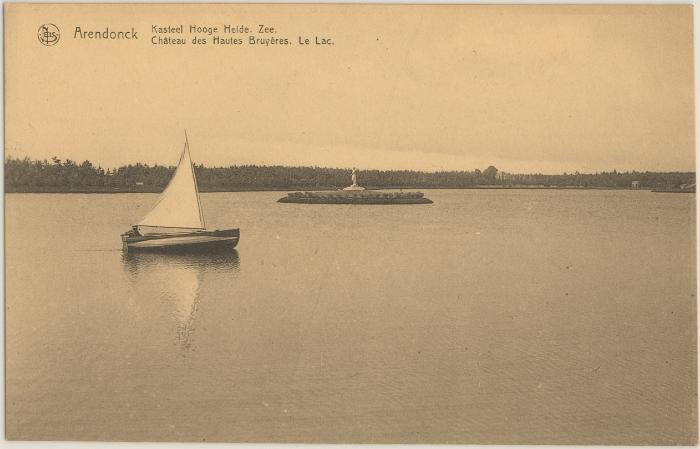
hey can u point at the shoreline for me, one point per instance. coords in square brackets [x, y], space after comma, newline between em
[321, 189]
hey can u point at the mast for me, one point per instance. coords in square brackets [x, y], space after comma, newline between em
[194, 177]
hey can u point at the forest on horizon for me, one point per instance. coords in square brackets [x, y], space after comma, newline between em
[56, 175]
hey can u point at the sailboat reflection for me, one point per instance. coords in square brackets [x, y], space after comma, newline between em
[177, 280]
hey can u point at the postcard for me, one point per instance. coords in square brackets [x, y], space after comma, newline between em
[350, 223]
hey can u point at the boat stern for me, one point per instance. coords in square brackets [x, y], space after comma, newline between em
[125, 246]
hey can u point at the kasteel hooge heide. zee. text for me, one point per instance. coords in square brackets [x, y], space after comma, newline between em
[256, 35]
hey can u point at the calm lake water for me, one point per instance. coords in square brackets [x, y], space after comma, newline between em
[489, 316]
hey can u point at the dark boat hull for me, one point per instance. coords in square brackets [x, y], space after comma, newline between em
[197, 242]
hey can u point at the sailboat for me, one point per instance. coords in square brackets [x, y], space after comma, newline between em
[176, 222]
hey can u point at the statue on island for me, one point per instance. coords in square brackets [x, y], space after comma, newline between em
[355, 185]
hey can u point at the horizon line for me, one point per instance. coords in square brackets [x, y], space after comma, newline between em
[262, 164]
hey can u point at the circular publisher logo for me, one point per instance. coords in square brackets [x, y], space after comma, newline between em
[48, 34]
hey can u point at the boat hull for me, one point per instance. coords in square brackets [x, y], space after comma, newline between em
[201, 241]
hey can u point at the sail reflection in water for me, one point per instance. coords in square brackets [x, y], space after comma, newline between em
[175, 282]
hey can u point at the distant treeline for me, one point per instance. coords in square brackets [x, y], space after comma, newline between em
[27, 175]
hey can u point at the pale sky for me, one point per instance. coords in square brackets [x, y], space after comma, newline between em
[525, 88]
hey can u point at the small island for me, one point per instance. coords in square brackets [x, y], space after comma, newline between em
[355, 194]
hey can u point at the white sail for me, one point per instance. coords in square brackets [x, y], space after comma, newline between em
[178, 205]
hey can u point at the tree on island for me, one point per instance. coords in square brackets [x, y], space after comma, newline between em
[490, 174]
